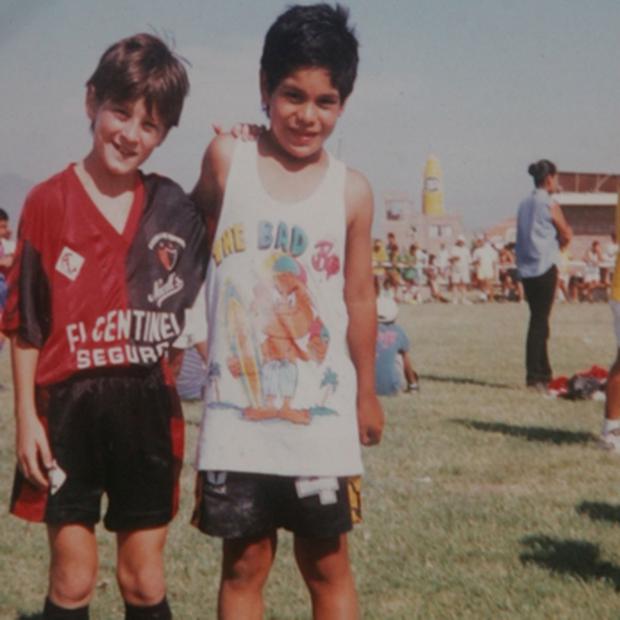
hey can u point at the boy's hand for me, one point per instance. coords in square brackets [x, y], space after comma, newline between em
[34, 457]
[370, 420]
[246, 132]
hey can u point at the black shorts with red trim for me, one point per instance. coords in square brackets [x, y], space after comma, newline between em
[234, 505]
[117, 432]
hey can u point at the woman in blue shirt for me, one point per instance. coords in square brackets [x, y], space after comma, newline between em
[541, 231]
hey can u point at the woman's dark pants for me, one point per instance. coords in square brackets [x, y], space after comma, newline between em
[539, 293]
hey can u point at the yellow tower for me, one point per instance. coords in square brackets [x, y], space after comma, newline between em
[432, 192]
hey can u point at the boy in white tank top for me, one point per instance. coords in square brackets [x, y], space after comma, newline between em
[292, 320]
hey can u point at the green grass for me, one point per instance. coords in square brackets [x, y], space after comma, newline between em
[483, 501]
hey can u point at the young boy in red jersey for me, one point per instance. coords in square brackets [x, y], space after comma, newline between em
[108, 259]
[292, 318]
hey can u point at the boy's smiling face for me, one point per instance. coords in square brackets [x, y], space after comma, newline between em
[124, 134]
[303, 109]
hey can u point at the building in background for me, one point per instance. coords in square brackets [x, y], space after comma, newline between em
[429, 226]
[588, 201]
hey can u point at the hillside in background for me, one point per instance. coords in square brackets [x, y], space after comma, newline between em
[13, 190]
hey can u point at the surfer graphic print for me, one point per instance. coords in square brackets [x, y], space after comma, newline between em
[283, 398]
[291, 333]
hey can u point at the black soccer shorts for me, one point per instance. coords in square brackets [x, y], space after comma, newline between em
[245, 505]
[117, 432]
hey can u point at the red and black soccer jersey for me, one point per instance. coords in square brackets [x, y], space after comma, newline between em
[90, 297]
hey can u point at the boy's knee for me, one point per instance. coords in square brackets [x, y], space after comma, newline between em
[247, 563]
[72, 588]
[141, 585]
[324, 563]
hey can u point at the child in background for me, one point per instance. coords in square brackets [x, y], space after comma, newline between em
[394, 372]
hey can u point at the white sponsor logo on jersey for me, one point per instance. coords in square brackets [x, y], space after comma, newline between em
[69, 263]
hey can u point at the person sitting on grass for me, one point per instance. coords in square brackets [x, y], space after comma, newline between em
[394, 371]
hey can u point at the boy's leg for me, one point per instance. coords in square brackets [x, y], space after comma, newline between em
[140, 566]
[246, 563]
[73, 565]
[325, 567]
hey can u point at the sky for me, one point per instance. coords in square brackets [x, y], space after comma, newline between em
[488, 86]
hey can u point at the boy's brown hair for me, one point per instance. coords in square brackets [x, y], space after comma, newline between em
[142, 66]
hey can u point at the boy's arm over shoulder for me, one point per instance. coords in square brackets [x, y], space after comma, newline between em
[359, 294]
[208, 193]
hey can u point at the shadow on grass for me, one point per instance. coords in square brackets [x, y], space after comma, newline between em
[467, 381]
[576, 558]
[600, 511]
[35, 616]
[530, 433]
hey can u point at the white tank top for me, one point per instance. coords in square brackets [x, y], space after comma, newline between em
[281, 392]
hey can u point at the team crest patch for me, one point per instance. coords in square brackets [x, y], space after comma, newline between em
[168, 249]
[69, 263]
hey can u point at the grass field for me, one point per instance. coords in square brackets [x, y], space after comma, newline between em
[483, 501]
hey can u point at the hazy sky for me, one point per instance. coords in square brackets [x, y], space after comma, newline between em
[486, 85]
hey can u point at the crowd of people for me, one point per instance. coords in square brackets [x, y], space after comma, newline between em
[484, 270]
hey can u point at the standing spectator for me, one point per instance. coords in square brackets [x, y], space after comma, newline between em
[485, 260]
[593, 259]
[443, 264]
[609, 259]
[379, 259]
[409, 274]
[541, 231]
[611, 249]
[431, 272]
[392, 246]
[408, 259]
[460, 265]
[508, 274]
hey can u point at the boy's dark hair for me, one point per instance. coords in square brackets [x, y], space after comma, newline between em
[142, 66]
[541, 170]
[4, 216]
[315, 35]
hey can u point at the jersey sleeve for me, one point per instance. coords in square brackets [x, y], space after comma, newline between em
[27, 311]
